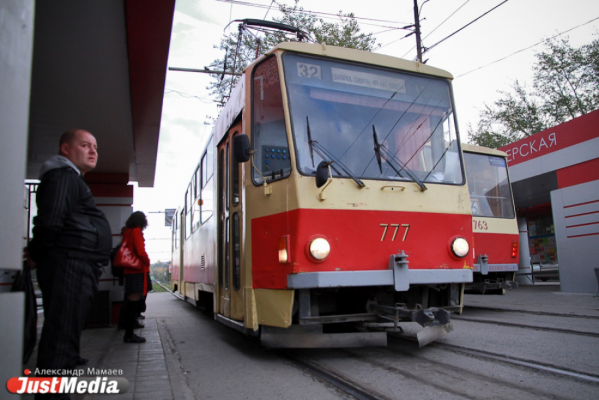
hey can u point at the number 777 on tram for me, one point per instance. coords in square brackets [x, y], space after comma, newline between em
[338, 207]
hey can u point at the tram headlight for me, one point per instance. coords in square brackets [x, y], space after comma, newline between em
[460, 247]
[320, 248]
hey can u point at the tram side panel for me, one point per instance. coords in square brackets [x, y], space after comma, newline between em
[176, 251]
[196, 234]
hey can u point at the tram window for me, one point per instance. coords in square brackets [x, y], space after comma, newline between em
[204, 167]
[490, 192]
[221, 205]
[236, 253]
[270, 144]
[176, 228]
[208, 162]
[227, 256]
[235, 188]
[173, 235]
[227, 175]
[207, 192]
[198, 180]
[195, 214]
[188, 201]
[347, 107]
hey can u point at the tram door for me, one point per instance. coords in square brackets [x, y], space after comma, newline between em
[229, 230]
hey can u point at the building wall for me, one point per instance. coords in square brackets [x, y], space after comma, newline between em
[16, 49]
[114, 196]
[561, 165]
[576, 220]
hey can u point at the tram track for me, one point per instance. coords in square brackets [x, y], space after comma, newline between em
[520, 311]
[518, 325]
[344, 382]
[381, 362]
[334, 379]
[554, 369]
[410, 368]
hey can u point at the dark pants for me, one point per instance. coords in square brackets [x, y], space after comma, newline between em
[68, 286]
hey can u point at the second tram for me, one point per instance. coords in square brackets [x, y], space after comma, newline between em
[494, 224]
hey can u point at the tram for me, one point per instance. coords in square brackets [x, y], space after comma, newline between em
[494, 224]
[330, 204]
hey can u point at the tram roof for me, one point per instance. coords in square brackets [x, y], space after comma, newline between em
[361, 56]
[483, 150]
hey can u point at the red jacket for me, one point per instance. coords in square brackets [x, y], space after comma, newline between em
[136, 243]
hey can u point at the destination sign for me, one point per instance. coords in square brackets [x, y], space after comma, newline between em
[368, 80]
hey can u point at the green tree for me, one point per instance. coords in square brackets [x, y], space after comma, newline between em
[565, 86]
[346, 33]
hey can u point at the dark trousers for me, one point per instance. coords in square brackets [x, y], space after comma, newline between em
[68, 286]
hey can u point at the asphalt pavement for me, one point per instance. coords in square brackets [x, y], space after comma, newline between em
[539, 298]
[190, 356]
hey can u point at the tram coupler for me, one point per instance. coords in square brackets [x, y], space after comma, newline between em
[400, 313]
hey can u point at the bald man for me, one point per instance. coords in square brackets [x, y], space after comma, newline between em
[71, 241]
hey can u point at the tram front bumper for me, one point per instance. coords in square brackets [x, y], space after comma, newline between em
[398, 275]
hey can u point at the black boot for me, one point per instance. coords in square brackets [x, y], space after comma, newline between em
[130, 320]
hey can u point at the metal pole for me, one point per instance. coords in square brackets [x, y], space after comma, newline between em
[417, 25]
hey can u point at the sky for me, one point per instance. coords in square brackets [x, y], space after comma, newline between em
[485, 58]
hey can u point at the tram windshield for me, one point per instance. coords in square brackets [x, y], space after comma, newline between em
[372, 122]
[489, 187]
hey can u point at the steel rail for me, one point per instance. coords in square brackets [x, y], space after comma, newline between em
[333, 379]
[517, 325]
[538, 366]
[551, 314]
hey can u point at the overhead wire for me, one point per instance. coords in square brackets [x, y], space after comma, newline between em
[445, 20]
[328, 15]
[268, 10]
[434, 29]
[187, 96]
[465, 26]
[526, 48]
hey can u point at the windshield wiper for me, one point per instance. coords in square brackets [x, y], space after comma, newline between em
[328, 156]
[381, 152]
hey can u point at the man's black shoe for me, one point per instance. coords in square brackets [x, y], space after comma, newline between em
[134, 339]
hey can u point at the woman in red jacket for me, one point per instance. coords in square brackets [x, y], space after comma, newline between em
[135, 280]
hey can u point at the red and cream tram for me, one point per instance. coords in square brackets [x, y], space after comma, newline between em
[494, 224]
[330, 202]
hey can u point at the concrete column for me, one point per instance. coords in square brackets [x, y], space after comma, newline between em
[16, 51]
[524, 266]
